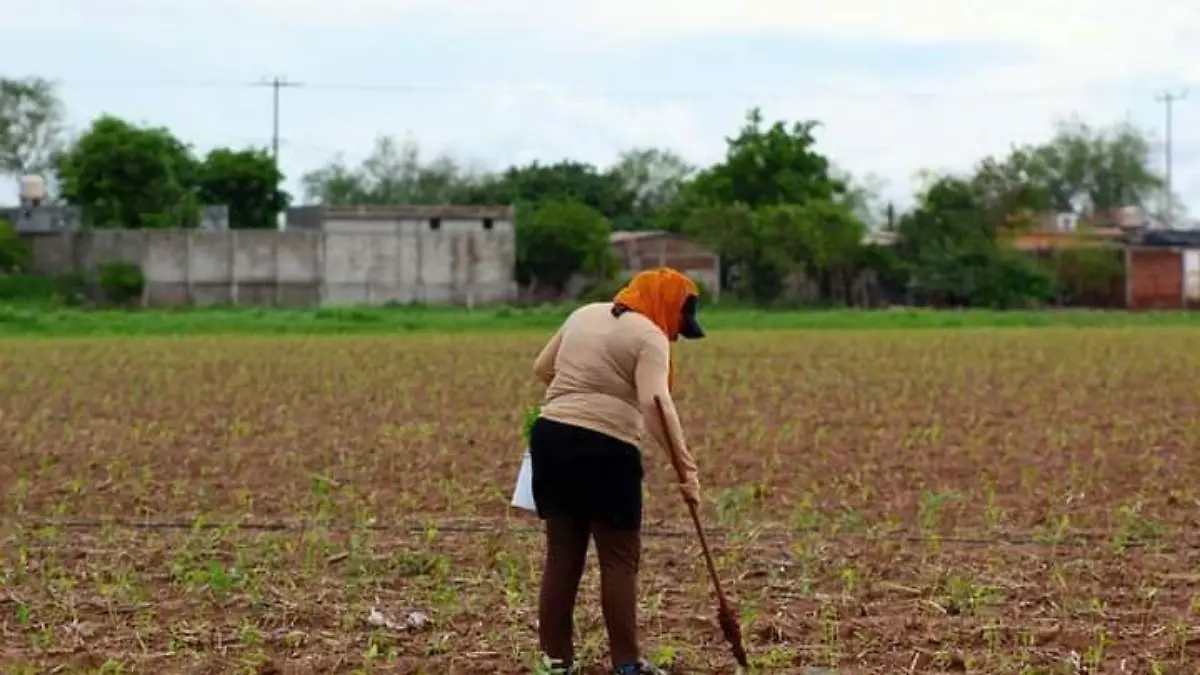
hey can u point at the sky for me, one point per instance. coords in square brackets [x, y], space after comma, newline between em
[898, 87]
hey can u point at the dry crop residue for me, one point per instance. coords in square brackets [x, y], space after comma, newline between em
[881, 502]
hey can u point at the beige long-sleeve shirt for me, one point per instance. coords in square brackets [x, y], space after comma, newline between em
[603, 372]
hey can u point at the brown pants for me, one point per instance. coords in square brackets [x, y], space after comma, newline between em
[619, 552]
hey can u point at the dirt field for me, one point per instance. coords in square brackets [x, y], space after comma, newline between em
[989, 502]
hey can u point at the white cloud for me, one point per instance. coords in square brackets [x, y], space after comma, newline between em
[1113, 31]
[1102, 58]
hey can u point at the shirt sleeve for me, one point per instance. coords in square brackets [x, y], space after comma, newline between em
[651, 374]
[543, 365]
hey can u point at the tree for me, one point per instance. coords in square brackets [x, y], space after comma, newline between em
[1088, 275]
[772, 207]
[1080, 169]
[31, 125]
[129, 176]
[560, 238]
[948, 246]
[247, 181]
[394, 174]
[862, 198]
[655, 178]
[776, 165]
[538, 183]
[818, 240]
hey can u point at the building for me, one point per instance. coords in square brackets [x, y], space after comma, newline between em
[462, 255]
[1163, 270]
[648, 249]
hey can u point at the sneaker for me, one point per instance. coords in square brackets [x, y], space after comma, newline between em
[642, 667]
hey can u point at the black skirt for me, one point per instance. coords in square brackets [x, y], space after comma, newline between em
[583, 474]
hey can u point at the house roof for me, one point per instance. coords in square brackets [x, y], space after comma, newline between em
[420, 212]
[634, 235]
[1169, 238]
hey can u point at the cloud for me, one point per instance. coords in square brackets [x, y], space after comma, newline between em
[1120, 30]
[549, 79]
[1092, 56]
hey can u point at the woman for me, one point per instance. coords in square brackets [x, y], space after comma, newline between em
[603, 369]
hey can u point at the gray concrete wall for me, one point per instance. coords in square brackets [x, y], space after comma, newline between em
[406, 260]
[375, 262]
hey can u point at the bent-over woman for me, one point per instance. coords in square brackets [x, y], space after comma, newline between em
[603, 369]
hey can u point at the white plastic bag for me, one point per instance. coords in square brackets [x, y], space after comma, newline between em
[523, 492]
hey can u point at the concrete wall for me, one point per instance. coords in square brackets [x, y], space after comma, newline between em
[372, 263]
[406, 260]
[1191, 271]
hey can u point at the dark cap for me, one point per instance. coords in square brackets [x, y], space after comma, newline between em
[690, 328]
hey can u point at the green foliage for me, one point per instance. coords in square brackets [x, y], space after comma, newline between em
[126, 176]
[603, 191]
[1107, 168]
[949, 246]
[773, 209]
[559, 238]
[66, 290]
[130, 177]
[1087, 275]
[14, 253]
[247, 181]
[819, 239]
[778, 212]
[776, 165]
[121, 283]
[70, 288]
[527, 420]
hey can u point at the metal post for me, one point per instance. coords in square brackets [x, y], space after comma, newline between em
[1168, 99]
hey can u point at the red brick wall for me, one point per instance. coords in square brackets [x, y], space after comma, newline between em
[1156, 279]
[649, 252]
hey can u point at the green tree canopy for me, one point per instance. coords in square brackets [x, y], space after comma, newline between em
[536, 183]
[768, 166]
[559, 238]
[772, 208]
[122, 175]
[247, 181]
[949, 247]
[1080, 168]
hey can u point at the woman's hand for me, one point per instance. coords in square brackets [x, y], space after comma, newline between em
[690, 489]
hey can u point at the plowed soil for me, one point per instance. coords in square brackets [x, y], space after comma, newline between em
[881, 502]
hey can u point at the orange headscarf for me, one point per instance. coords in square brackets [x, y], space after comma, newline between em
[659, 295]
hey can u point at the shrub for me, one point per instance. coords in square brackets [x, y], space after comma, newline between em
[14, 253]
[121, 283]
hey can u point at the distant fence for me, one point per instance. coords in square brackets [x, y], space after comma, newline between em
[294, 268]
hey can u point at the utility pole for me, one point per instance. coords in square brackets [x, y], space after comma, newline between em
[1168, 99]
[275, 83]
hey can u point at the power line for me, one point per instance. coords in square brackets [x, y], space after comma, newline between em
[817, 89]
[1168, 100]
